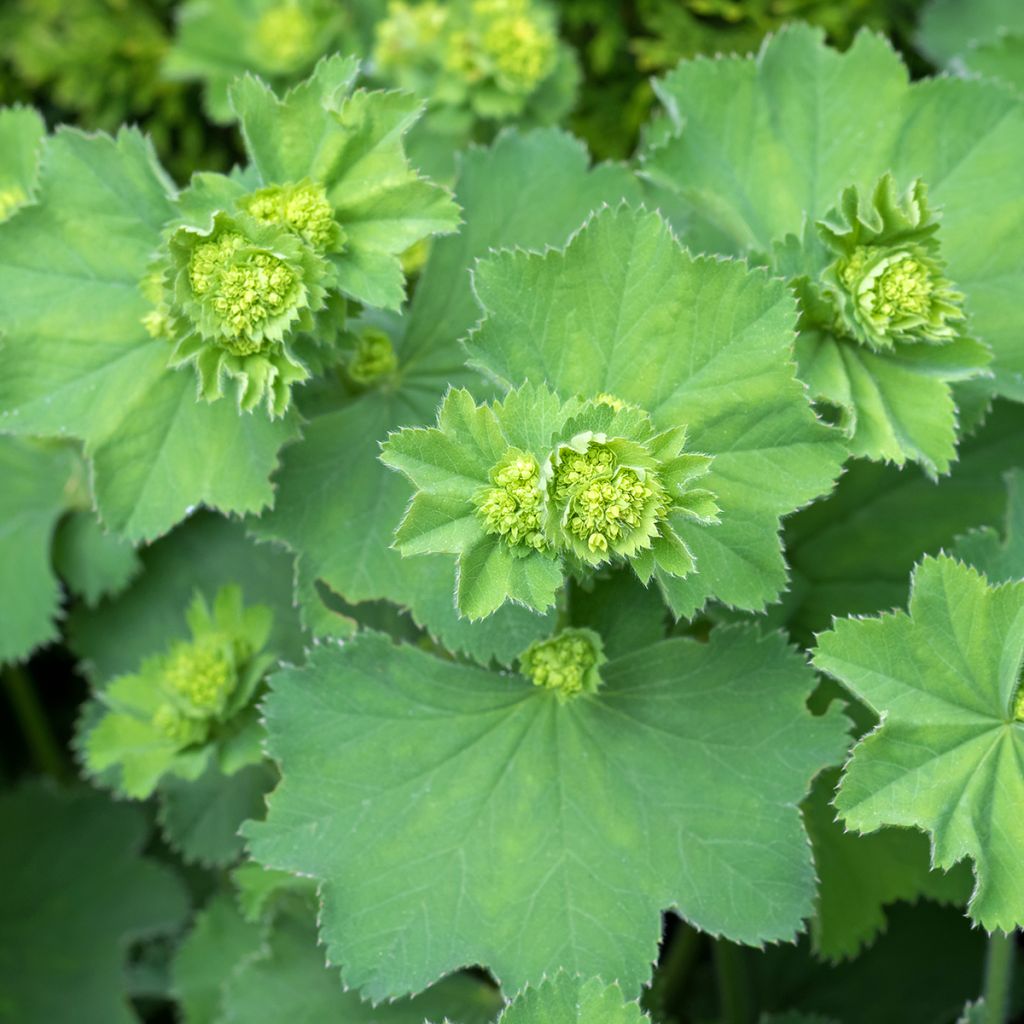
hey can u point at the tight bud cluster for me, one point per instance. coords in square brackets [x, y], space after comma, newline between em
[303, 209]
[513, 508]
[567, 663]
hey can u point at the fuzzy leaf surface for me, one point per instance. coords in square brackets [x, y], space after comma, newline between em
[694, 342]
[456, 816]
[529, 190]
[764, 143]
[76, 892]
[572, 1000]
[76, 360]
[944, 678]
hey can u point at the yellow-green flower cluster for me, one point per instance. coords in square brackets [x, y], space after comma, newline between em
[285, 39]
[567, 663]
[517, 41]
[513, 508]
[303, 209]
[374, 357]
[1018, 705]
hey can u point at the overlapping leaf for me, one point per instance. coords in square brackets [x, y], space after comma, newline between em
[76, 892]
[76, 360]
[701, 343]
[21, 136]
[572, 1000]
[946, 679]
[457, 816]
[764, 145]
[337, 506]
[1000, 558]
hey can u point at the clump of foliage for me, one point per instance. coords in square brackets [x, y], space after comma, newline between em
[449, 580]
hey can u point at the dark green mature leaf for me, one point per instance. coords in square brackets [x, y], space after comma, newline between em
[529, 190]
[429, 798]
[766, 144]
[32, 498]
[860, 875]
[72, 266]
[94, 564]
[945, 679]
[202, 554]
[1000, 559]
[289, 981]
[698, 342]
[572, 1000]
[76, 892]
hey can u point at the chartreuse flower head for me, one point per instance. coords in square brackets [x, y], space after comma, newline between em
[373, 359]
[887, 280]
[568, 663]
[237, 292]
[192, 701]
[532, 487]
[303, 208]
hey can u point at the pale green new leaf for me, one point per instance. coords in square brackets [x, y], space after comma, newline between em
[456, 816]
[697, 342]
[76, 360]
[764, 145]
[947, 756]
[21, 135]
[860, 875]
[352, 144]
[32, 498]
[572, 1000]
[76, 893]
[1000, 560]
[94, 564]
[529, 190]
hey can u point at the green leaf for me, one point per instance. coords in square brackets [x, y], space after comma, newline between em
[766, 144]
[696, 342]
[860, 875]
[946, 758]
[21, 136]
[352, 144]
[289, 981]
[77, 361]
[203, 554]
[1002, 58]
[76, 893]
[548, 804]
[32, 499]
[200, 818]
[94, 564]
[1000, 560]
[220, 939]
[948, 27]
[572, 1000]
[529, 190]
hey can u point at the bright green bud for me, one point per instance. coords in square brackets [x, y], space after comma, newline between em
[887, 284]
[303, 209]
[513, 508]
[567, 663]
[202, 675]
[520, 43]
[285, 39]
[605, 506]
[181, 730]
[374, 358]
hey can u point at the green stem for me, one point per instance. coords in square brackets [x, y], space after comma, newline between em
[45, 751]
[563, 607]
[1002, 951]
[734, 989]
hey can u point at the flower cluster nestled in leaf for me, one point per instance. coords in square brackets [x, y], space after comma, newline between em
[531, 488]
[184, 706]
[568, 663]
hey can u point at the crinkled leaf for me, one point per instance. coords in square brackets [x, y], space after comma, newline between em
[766, 143]
[203, 554]
[530, 190]
[572, 1000]
[76, 360]
[289, 981]
[93, 563]
[695, 342]
[32, 499]
[429, 798]
[200, 818]
[1000, 559]
[947, 755]
[76, 892]
[220, 940]
[860, 875]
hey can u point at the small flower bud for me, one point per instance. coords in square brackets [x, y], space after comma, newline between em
[567, 663]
